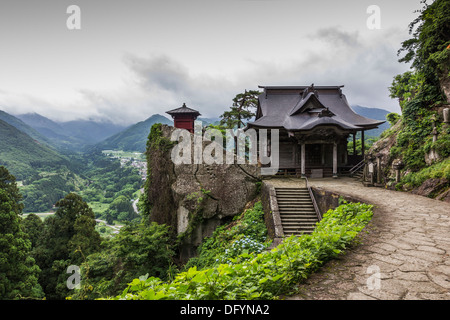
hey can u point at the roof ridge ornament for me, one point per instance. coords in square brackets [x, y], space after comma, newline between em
[309, 90]
[326, 113]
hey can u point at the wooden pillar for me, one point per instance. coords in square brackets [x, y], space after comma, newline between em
[362, 144]
[335, 160]
[354, 144]
[303, 159]
[322, 150]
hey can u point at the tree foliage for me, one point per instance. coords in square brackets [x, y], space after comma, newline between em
[428, 50]
[18, 271]
[420, 91]
[243, 108]
[68, 237]
[137, 250]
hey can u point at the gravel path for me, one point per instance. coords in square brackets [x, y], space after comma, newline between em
[404, 252]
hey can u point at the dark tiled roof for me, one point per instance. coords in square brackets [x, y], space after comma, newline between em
[183, 110]
[297, 108]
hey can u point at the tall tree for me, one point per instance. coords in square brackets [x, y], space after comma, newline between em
[429, 48]
[18, 271]
[243, 108]
[69, 236]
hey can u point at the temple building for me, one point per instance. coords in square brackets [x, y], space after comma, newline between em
[184, 117]
[315, 124]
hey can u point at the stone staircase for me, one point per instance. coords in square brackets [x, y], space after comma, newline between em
[296, 209]
[358, 175]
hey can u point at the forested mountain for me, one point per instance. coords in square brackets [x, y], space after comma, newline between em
[24, 127]
[373, 113]
[133, 138]
[23, 155]
[71, 135]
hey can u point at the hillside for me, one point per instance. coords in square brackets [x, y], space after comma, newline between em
[23, 155]
[90, 132]
[133, 138]
[24, 127]
[415, 152]
[71, 135]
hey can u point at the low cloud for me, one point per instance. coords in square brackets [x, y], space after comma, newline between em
[337, 37]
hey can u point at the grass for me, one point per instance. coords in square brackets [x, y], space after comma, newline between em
[435, 171]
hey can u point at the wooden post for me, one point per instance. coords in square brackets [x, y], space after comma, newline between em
[335, 160]
[363, 151]
[354, 144]
[303, 160]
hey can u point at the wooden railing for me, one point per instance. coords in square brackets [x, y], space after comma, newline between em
[311, 194]
[357, 167]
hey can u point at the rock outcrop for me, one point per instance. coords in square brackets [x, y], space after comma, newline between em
[195, 198]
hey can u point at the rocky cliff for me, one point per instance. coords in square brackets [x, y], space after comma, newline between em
[193, 198]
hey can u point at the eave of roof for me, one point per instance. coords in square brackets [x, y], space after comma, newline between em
[280, 110]
[183, 110]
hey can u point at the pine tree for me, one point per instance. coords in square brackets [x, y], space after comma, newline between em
[242, 109]
[18, 271]
[69, 237]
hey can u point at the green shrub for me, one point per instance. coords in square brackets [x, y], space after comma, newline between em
[230, 240]
[265, 275]
[435, 171]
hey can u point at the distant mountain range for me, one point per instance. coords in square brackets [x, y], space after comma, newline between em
[83, 135]
[133, 138]
[373, 113]
[22, 154]
[71, 135]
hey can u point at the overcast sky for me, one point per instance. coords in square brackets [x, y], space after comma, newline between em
[132, 59]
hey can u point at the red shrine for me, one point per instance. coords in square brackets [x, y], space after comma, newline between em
[184, 117]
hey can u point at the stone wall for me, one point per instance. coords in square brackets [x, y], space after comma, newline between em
[328, 200]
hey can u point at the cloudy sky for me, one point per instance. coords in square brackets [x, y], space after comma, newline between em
[135, 58]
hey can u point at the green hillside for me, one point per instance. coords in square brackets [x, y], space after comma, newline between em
[24, 127]
[134, 138]
[73, 135]
[23, 155]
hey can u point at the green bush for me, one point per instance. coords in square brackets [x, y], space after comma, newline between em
[247, 232]
[435, 171]
[264, 275]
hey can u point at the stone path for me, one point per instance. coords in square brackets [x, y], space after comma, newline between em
[404, 252]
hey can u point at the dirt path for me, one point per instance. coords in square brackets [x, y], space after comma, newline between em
[404, 253]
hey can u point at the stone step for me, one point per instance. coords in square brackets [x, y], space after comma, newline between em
[278, 192]
[294, 198]
[290, 226]
[300, 204]
[297, 227]
[292, 191]
[297, 212]
[293, 207]
[299, 219]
